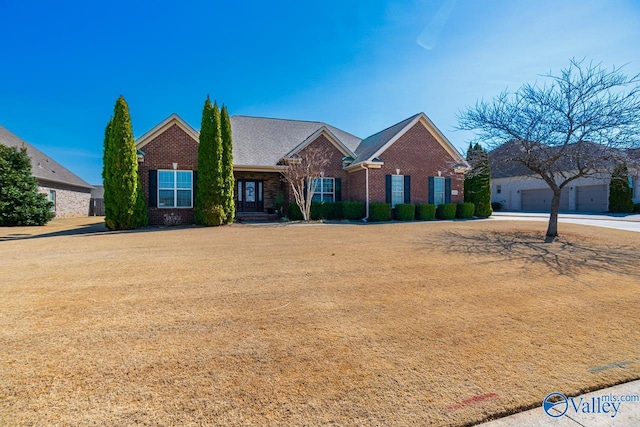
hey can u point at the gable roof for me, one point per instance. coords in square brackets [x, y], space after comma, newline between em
[372, 147]
[43, 167]
[259, 141]
[158, 129]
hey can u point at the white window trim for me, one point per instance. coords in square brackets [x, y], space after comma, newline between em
[175, 189]
[53, 199]
[320, 189]
[393, 205]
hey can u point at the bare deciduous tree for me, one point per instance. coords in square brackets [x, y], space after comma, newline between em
[302, 172]
[578, 125]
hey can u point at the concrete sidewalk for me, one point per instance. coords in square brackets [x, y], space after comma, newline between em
[615, 221]
[628, 412]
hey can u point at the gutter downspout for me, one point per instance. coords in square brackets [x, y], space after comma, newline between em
[367, 193]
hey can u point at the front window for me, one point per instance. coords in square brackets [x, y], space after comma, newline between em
[175, 189]
[325, 190]
[438, 190]
[397, 190]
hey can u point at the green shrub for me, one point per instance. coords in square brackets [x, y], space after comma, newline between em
[446, 211]
[326, 210]
[294, 212]
[379, 212]
[483, 210]
[405, 212]
[213, 216]
[496, 206]
[636, 208]
[353, 210]
[425, 212]
[465, 210]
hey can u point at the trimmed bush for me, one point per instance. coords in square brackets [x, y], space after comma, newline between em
[405, 212]
[425, 212]
[446, 211]
[379, 212]
[496, 206]
[465, 210]
[294, 212]
[353, 210]
[326, 210]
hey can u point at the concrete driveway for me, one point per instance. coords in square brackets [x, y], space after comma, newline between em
[616, 221]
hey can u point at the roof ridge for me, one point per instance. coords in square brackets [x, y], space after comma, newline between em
[277, 118]
[395, 124]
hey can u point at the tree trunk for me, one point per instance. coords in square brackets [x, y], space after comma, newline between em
[552, 229]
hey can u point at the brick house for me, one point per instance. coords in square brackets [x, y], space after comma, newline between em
[409, 162]
[69, 193]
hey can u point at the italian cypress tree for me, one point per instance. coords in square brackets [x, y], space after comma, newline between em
[124, 202]
[20, 202]
[209, 206]
[228, 181]
[477, 185]
[620, 194]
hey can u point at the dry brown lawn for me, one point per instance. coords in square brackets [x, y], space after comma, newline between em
[397, 324]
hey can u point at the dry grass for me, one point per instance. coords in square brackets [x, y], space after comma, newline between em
[397, 324]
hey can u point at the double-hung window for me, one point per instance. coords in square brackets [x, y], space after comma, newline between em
[397, 190]
[325, 190]
[175, 189]
[438, 190]
[52, 199]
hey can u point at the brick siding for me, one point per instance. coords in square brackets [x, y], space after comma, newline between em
[172, 146]
[418, 154]
[71, 202]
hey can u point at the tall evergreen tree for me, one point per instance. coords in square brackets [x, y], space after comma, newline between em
[477, 185]
[228, 181]
[209, 206]
[620, 194]
[20, 202]
[124, 202]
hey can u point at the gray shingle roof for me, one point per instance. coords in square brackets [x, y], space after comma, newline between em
[369, 146]
[259, 141]
[43, 167]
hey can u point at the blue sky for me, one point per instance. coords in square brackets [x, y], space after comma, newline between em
[360, 65]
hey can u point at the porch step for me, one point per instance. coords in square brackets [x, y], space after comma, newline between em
[256, 217]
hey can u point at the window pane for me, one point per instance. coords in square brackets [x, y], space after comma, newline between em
[184, 179]
[250, 189]
[397, 183]
[165, 179]
[438, 198]
[318, 184]
[165, 199]
[239, 191]
[184, 198]
[317, 197]
[438, 184]
[327, 185]
[327, 198]
[397, 198]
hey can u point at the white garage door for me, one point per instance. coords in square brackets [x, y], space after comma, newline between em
[592, 198]
[540, 200]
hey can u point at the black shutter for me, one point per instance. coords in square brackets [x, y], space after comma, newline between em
[338, 190]
[407, 189]
[388, 188]
[195, 187]
[431, 190]
[153, 188]
[447, 190]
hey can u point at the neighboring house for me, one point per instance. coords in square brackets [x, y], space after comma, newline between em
[69, 193]
[409, 162]
[518, 189]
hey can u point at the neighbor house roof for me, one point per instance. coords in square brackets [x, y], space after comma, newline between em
[259, 141]
[43, 167]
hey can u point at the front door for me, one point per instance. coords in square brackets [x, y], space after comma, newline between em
[250, 196]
